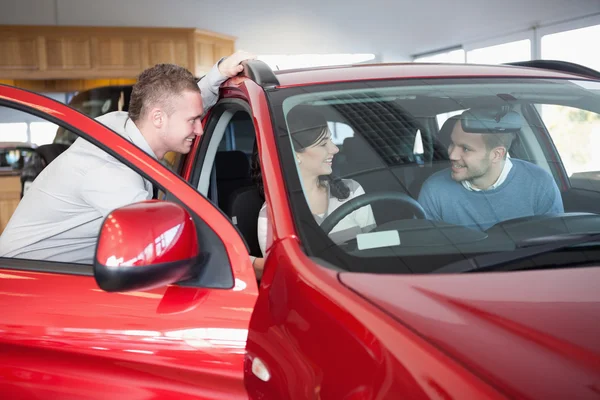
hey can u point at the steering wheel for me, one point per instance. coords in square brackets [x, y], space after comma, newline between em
[354, 204]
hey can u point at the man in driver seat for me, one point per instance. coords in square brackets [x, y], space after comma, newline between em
[483, 186]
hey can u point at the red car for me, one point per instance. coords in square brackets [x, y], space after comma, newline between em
[414, 308]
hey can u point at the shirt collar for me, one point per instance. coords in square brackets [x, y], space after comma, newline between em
[136, 137]
[503, 175]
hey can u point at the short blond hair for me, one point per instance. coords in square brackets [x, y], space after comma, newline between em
[159, 85]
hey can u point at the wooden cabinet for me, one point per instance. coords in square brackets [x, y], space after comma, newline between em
[58, 52]
[208, 50]
[66, 53]
[19, 52]
[119, 54]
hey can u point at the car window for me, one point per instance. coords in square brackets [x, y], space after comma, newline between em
[401, 197]
[443, 117]
[31, 223]
[576, 135]
[14, 131]
[20, 162]
[339, 132]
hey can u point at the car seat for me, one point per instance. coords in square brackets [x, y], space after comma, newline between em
[244, 204]
[232, 172]
[39, 159]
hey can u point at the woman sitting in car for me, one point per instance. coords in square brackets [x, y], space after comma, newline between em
[314, 152]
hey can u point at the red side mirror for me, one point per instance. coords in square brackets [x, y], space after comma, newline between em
[146, 245]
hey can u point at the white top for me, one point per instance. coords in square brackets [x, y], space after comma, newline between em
[358, 221]
[505, 170]
[59, 217]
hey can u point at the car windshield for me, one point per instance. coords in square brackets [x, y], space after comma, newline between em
[408, 176]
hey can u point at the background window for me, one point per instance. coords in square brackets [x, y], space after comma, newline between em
[576, 135]
[339, 132]
[441, 118]
[578, 46]
[13, 132]
[454, 56]
[42, 132]
[290, 61]
[502, 53]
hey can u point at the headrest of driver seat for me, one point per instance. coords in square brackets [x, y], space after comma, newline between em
[232, 165]
[445, 132]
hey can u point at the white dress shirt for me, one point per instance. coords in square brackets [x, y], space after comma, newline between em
[361, 220]
[505, 170]
[59, 217]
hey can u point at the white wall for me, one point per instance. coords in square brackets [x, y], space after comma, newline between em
[392, 30]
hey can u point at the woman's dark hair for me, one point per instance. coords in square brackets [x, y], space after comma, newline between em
[307, 127]
[257, 173]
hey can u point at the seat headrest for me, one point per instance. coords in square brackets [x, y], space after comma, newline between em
[445, 132]
[232, 165]
[358, 150]
[243, 208]
[50, 151]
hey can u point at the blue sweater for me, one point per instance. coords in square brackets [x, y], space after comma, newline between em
[528, 190]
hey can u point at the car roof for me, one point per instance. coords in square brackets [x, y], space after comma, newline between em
[348, 73]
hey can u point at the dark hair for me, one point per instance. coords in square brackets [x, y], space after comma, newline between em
[257, 173]
[158, 85]
[307, 127]
[493, 140]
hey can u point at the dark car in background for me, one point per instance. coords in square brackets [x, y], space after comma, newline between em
[13, 156]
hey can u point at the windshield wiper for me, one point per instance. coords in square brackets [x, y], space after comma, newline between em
[525, 249]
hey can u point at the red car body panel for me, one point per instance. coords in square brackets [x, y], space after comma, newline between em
[549, 322]
[63, 337]
[320, 340]
[320, 334]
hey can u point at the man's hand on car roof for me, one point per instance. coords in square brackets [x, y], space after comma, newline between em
[231, 66]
